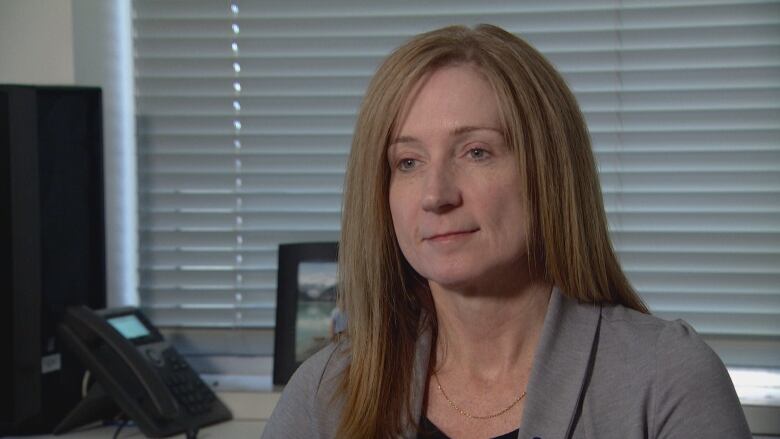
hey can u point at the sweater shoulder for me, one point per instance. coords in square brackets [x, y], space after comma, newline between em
[311, 397]
[680, 381]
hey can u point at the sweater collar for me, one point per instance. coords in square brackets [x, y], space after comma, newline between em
[560, 369]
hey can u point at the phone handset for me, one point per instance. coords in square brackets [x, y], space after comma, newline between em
[152, 383]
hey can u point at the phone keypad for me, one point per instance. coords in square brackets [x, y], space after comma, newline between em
[186, 385]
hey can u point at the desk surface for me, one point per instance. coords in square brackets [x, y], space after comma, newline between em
[227, 430]
[250, 413]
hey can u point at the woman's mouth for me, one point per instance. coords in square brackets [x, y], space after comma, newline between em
[449, 235]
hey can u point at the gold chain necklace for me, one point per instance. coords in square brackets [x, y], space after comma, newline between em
[469, 415]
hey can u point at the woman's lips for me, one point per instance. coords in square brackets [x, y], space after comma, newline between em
[449, 235]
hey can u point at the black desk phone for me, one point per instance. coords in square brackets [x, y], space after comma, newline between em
[136, 369]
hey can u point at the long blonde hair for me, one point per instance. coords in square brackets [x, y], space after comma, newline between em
[382, 295]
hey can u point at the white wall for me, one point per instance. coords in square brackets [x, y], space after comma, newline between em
[36, 42]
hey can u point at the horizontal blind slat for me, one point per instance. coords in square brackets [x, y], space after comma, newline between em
[315, 82]
[170, 240]
[605, 62]
[297, 203]
[764, 98]
[176, 46]
[410, 21]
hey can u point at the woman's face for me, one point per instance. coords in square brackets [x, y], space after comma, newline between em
[455, 189]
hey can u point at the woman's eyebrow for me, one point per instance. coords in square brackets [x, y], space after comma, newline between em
[403, 139]
[458, 131]
[467, 129]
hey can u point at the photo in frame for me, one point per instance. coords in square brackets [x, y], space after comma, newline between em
[307, 316]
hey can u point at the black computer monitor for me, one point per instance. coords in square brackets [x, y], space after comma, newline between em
[52, 222]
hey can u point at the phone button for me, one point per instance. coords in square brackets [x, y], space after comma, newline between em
[155, 357]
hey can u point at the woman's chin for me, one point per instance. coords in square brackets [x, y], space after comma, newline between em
[474, 279]
[456, 282]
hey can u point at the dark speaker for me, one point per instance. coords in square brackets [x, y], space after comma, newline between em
[51, 191]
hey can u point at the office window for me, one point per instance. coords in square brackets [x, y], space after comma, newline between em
[245, 112]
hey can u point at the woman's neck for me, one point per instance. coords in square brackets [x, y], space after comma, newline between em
[489, 335]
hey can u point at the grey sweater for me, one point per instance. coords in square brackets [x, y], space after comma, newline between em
[599, 372]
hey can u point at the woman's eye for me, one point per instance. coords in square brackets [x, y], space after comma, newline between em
[407, 164]
[478, 153]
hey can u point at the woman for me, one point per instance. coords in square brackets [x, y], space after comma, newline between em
[483, 295]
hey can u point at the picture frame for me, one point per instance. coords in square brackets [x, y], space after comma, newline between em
[306, 311]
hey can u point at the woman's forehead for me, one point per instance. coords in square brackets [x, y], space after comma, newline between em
[455, 98]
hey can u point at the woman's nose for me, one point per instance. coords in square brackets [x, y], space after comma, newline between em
[441, 191]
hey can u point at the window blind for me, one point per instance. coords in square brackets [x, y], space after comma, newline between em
[245, 112]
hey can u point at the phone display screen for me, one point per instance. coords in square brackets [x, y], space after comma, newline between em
[129, 326]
